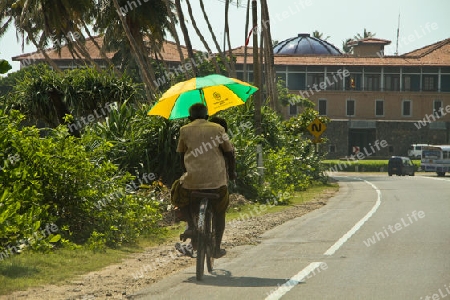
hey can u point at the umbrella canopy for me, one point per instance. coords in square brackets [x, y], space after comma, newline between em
[217, 92]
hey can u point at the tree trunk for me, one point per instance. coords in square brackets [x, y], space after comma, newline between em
[222, 55]
[247, 21]
[149, 89]
[47, 58]
[174, 33]
[256, 74]
[227, 33]
[187, 40]
[202, 38]
[269, 57]
[101, 50]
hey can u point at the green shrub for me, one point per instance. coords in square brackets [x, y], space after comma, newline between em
[58, 180]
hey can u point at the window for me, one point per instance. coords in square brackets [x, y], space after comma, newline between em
[292, 110]
[392, 83]
[411, 83]
[406, 108]
[334, 81]
[350, 108]
[437, 104]
[353, 82]
[379, 108]
[322, 107]
[429, 83]
[372, 82]
[296, 81]
[314, 81]
[445, 83]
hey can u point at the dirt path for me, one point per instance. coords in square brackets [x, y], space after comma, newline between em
[121, 280]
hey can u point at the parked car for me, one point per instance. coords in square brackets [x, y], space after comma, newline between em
[401, 166]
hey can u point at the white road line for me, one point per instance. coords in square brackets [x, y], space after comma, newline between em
[291, 283]
[288, 285]
[358, 225]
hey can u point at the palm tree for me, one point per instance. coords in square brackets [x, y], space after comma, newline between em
[366, 34]
[346, 47]
[269, 58]
[202, 38]
[174, 32]
[29, 28]
[127, 29]
[227, 35]
[319, 35]
[216, 43]
[184, 30]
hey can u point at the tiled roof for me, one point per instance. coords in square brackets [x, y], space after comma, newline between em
[437, 54]
[370, 40]
[428, 49]
[169, 52]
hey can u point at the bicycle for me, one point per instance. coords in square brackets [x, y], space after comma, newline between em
[203, 237]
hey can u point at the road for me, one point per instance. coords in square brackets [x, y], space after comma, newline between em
[380, 237]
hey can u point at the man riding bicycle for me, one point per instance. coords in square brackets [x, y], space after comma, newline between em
[208, 161]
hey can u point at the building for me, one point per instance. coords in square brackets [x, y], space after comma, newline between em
[401, 99]
[368, 96]
[65, 59]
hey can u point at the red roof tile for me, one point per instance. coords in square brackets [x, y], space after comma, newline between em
[169, 52]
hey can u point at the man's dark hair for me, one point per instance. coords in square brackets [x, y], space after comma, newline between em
[220, 121]
[198, 111]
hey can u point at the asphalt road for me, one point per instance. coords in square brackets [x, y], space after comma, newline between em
[380, 237]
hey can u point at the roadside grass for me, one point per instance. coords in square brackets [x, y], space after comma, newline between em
[22, 271]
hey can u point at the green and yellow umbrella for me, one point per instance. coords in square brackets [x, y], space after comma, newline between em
[217, 92]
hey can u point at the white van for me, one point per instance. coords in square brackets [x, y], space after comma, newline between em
[415, 150]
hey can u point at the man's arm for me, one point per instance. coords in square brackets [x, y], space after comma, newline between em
[231, 162]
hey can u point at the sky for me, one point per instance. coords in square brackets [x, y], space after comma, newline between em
[421, 23]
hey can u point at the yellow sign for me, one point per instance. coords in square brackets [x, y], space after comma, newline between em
[317, 140]
[316, 127]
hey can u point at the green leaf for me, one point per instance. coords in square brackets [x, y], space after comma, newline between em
[55, 238]
[36, 226]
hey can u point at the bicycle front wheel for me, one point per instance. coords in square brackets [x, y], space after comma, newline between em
[210, 239]
[201, 240]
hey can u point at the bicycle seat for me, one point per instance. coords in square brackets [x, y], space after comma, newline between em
[208, 195]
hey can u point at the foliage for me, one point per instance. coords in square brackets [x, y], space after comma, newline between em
[60, 180]
[44, 95]
[317, 34]
[141, 144]
[290, 161]
[83, 185]
[4, 66]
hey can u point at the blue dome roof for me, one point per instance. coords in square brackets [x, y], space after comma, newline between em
[305, 44]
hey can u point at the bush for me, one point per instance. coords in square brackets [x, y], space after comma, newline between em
[61, 180]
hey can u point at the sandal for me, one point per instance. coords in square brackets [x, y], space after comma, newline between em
[184, 249]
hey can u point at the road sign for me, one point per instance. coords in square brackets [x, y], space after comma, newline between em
[317, 140]
[316, 127]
